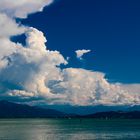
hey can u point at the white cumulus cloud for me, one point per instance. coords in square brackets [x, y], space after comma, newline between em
[33, 73]
[30, 67]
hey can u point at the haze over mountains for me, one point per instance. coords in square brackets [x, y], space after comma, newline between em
[14, 110]
[85, 110]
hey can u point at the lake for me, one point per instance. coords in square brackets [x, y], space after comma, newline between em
[69, 129]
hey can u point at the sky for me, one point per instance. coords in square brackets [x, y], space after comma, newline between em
[67, 52]
[110, 29]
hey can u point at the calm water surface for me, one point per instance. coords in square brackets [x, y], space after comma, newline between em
[69, 129]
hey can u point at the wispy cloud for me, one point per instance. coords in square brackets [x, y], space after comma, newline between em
[80, 53]
[21, 8]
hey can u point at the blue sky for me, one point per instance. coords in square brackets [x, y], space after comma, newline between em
[109, 28]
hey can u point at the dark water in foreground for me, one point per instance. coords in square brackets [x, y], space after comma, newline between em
[69, 129]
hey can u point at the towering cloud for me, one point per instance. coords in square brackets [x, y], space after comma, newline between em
[32, 73]
[30, 67]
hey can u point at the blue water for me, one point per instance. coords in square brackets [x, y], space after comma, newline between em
[69, 129]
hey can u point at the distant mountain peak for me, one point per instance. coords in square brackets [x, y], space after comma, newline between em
[13, 110]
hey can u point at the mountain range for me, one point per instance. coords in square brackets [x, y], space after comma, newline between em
[15, 110]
